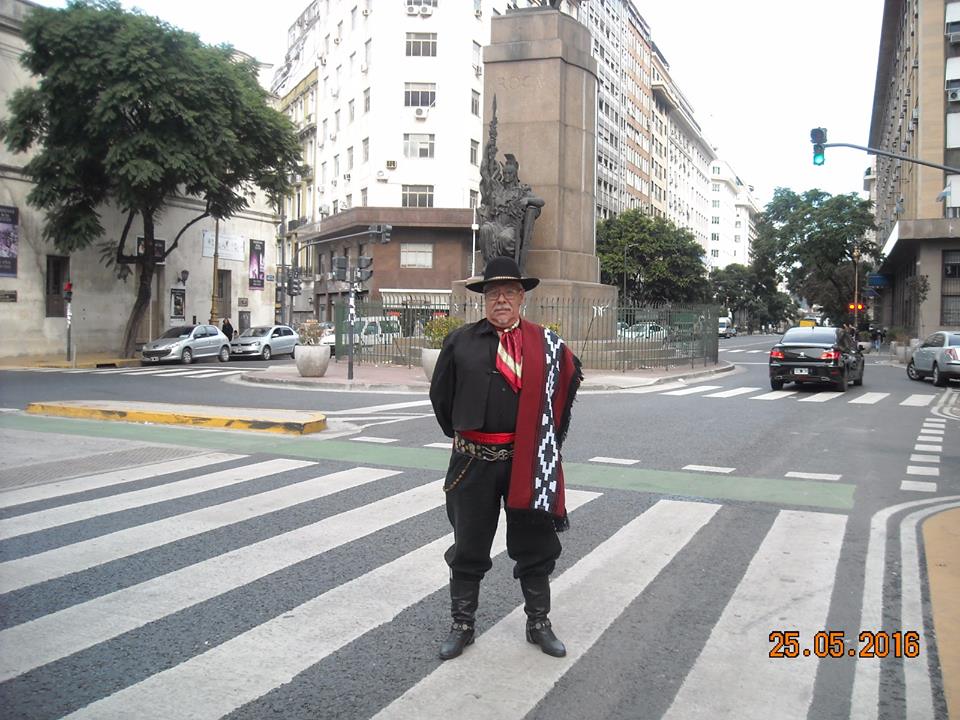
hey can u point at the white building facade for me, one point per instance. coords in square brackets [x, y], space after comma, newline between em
[733, 217]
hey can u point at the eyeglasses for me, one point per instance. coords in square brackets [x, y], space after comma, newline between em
[510, 293]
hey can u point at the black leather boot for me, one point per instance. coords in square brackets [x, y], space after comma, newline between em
[536, 593]
[464, 598]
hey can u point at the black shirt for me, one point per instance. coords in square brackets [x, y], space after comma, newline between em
[467, 391]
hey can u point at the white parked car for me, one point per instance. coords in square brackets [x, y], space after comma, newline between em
[645, 331]
[184, 343]
[265, 341]
[938, 357]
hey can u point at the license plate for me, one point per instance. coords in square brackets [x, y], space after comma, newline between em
[801, 371]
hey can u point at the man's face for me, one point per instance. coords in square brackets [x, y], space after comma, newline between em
[502, 302]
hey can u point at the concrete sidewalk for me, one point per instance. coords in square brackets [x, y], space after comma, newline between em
[400, 378]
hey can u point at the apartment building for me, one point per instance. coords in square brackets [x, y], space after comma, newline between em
[916, 113]
[733, 216]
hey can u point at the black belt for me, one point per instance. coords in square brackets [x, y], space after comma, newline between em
[482, 451]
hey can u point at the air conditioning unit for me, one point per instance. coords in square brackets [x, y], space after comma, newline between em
[346, 176]
[333, 136]
[334, 92]
[324, 209]
[323, 59]
[391, 164]
[953, 95]
[363, 67]
[953, 37]
[412, 10]
[426, 10]
[420, 113]
[478, 12]
[367, 12]
[478, 70]
[333, 183]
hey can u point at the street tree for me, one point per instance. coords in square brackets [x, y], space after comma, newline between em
[662, 263]
[130, 112]
[821, 245]
[733, 288]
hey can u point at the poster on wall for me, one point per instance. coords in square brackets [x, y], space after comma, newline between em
[178, 303]
[9, 240]
[159, 249]
[228, 247]
[256, 264]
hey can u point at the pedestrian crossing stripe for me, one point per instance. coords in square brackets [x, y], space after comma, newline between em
[793, 565]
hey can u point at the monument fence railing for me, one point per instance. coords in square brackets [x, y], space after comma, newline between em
[604, 336]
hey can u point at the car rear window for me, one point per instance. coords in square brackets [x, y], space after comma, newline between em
[954, 340]
[808, 334]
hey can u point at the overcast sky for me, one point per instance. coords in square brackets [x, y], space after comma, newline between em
[758, 73]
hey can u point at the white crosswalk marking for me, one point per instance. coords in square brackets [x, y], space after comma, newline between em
[829, 477]
[921, 470]
[734, 392]
[613, 461]
[870, 398]
[114, 477]
[376, 440]
[123, 543]
[931, 431]
[489, 686]
[61, 515]
[289, 644]
[918, 400]
[775, 395]
[794, 568]
[692, 390]
[821, 397]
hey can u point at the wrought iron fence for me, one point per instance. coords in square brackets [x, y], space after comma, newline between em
[603, 336]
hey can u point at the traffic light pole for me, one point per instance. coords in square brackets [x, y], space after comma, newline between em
[895, 156]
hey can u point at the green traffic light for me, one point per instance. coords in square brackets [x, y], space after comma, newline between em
[818, 154]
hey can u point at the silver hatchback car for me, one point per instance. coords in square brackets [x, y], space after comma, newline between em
[265, 341]
[938, 357]
[183, 343]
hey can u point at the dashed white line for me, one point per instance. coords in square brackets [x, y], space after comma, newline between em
[613, 461]
[813, 476]
[921, 470]
[708, 468]
[917, 486]
[371, 439]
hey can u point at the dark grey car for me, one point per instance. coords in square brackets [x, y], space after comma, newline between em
[819, 355]
[184, 343]
[265, 341]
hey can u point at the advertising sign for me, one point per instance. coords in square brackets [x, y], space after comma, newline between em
[229, 247]
[256, 273]
[9, 240]
[178, 302]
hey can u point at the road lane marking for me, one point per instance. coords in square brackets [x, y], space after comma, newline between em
[613, 461]
[920, 470]
[929, 438]
[870, 398]
[692, 390]
[793, 568]
[918, 400]
[708, 468]
[72, 486]
[215, 373]
[86, 554]
[372, 439]
[775, 395]
[918, 486]
[925, 458]
[820, 397]
[813, 476]
[288, 644]
[504, 677]
[51, 637]
[379, 408]
[931, 430]
[443, 445]
[84, 510]
[928, 448]
[734, 392]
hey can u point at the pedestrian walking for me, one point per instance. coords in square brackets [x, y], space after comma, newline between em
[875, 337]
[503, 389]
[227, 328]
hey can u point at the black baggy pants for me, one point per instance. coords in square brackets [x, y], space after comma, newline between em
[475, 490]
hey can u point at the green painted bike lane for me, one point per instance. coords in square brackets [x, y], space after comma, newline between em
[775, 491]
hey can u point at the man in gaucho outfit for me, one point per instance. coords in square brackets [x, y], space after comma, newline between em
[503, 390]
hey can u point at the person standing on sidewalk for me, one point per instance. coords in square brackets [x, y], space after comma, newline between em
[503, 389]
[228, 328]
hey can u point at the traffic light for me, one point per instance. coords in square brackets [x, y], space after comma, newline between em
[859, 307]
[363, 271]
[818, 136]
[68, 292]
[383, 231]
[296, 286]
[340, 269]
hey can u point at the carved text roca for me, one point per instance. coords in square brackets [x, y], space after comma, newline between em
[519, 82]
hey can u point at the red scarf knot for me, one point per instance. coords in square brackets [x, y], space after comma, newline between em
[510, 356]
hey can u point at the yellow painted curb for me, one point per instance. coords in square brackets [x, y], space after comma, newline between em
[941, 542]
[317, 423]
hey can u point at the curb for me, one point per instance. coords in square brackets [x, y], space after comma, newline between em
[68, 365]
[310, 423]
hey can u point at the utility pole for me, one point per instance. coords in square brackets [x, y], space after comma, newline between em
[216, 258]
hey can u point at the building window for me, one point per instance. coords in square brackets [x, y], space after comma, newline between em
[474, 152]
[350, 110]
[349, 202]
[477, 57]
[421, 44]
[58, 272]
[365, 145]
[418, 145]
[349, 158]
[950, 288]
[715, 237]
[715, 253]
[737, 224]
[474, 198]
[417, 196]
[475, 102]
[715, 203]
[716, 187]
[416, 255]
[715, 170]
[336, 167]
[366, 100]
[422, 3]
[336, 121]
[419, 94]
[363, 197]
[736, 238]
[714, 220]
[323, 173]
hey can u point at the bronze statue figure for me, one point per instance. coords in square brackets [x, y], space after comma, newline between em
[508, 207]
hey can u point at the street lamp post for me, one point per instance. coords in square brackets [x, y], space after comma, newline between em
[473, 252]
[856, 291]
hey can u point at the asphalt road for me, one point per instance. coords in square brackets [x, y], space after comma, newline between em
[304, 577]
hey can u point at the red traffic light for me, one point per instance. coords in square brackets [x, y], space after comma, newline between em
[855, 306]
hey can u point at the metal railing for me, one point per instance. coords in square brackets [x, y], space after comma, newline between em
[604, 337]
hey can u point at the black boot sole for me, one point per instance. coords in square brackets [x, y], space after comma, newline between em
[459, 651]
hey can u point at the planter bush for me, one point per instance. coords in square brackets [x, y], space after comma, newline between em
[435, 331]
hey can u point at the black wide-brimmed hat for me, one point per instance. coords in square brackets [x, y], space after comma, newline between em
[500, 269]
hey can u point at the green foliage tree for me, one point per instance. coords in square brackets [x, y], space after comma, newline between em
[814, 237]
[131, 112]
[663, 263]
[733, 288]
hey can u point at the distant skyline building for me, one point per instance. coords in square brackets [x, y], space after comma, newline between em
[733, 216]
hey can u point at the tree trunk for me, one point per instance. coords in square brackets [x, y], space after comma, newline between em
[148, 266]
